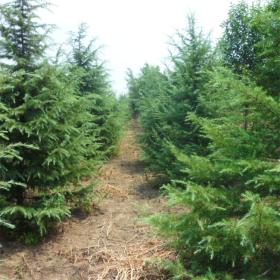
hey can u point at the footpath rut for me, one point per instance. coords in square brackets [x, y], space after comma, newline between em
[112, 242]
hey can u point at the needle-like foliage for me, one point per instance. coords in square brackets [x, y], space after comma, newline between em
[43, 109]
[212, 124]
[93, 85]
[163, 101]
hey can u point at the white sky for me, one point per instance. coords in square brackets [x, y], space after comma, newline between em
[134, 31]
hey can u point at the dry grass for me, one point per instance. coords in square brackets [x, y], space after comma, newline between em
[133, 261]
[108, 190]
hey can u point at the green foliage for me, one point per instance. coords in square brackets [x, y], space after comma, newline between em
[6, 152]
[154, 102]
[92, 77]
[250, 42]
[52, 116]
[215, 132]
[192, 62]
[134, 93]
[231, 224]
[164, 100]
[59, 149]
[119, 119]
[267, 22]
[39, 215]
[175, 268]
[57, 123]
[240, 38]
[22, 36]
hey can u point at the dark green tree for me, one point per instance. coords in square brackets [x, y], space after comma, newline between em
[44, 114]
[149, 96]
[267, 22]
[224, 216]
[192, 61]
[226, 223]
[22, 41]
[240, 38]
[164, 101]
[93, 84]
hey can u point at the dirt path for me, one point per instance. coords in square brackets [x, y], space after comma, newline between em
[111, 243]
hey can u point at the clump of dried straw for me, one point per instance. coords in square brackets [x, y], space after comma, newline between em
[133, 261]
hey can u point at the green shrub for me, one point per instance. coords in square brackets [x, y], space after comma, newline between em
[231, 224]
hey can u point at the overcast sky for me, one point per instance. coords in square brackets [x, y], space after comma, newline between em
[134, 32]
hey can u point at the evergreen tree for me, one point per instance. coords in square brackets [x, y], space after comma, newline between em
[224, 216]
[149, 96]
[164, 102]
[193, 60]
[230, 229]
[45, 115]
[85, 59]
[22, 41]
[93, 84]
[134, 93]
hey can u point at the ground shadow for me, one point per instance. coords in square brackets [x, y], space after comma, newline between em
[133, 166]
[151, 189]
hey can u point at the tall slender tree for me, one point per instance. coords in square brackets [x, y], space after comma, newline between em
[178, 95]
[192, 61]
[94, 85]
[22, 41]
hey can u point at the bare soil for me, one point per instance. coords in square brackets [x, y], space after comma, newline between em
[110, 243]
